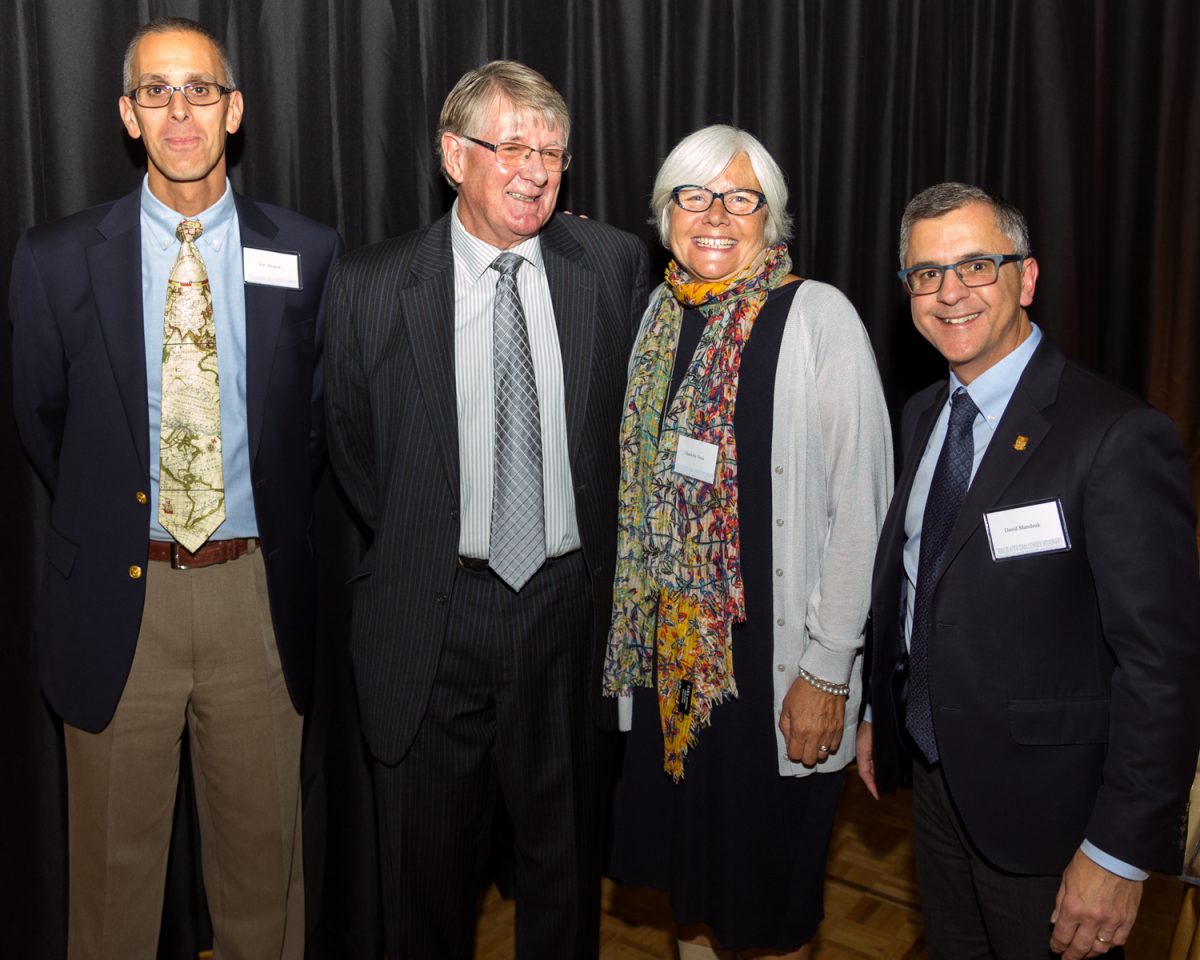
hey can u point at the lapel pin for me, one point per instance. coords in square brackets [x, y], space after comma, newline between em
[1021, 442]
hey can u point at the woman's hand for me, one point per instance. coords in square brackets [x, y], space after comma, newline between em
[810, 720]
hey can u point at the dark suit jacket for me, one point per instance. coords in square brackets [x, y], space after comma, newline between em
[1063, 684]
[394, 439]
[79, 387]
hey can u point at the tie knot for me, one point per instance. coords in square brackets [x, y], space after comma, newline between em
[507, 264]
[962, 407]
[188, 230]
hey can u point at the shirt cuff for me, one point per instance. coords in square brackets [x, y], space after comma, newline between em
[867, 713]
[1111, 863]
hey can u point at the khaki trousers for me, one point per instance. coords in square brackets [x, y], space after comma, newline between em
[206, 655]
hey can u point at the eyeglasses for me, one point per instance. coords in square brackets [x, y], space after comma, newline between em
[743, 201]
[977, 271]
[199, 93]
[510, 154]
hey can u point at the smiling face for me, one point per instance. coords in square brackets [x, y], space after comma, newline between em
[715, 244]
[972, 327]
[185, 145]
[504, 205]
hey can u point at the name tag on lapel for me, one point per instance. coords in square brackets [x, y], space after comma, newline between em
[271, 268]
[696, 459]
[1027, 529]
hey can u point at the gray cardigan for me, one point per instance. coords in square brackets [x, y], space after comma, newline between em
[831, 480]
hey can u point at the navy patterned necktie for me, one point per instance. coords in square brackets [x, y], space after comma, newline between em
[951, 477]
[518, 534]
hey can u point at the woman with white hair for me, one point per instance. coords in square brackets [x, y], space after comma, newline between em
[755, 474]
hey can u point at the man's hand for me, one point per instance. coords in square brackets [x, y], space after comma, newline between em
[1094, 910]
[864, 750]
[811, 719]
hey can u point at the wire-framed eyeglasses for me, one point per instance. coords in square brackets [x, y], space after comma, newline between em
[513, 154]
[199, 93]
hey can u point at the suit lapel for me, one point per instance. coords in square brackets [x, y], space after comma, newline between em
[1005, 456]
[573, 294]
[888, 564]
[115, 267]
[426, 305]
[264, 315]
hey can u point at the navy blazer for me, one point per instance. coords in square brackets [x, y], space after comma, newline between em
[393, 426]
[1063, 684]
[79, 386]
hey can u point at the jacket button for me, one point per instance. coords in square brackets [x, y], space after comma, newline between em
[441, 598]
[135, 572]
[141, 497]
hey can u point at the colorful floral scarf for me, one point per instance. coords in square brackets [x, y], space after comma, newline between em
[678, 582]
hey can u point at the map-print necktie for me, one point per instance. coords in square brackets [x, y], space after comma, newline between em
[951, 477]
[518, 536]
[191, 487]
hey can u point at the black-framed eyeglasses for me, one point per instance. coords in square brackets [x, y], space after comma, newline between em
[742, 202]
[199, 93]
[512, 154]
[978, 271]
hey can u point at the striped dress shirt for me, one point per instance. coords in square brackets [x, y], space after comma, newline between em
[474, 298]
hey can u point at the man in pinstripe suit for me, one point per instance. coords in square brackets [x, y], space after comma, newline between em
[473, 681]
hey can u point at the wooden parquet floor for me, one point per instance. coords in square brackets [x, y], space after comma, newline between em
[871, 906]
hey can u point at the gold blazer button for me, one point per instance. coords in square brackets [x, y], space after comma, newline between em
[135, 572]
[141, 497]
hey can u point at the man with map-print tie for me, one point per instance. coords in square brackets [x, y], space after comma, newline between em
[167, 382]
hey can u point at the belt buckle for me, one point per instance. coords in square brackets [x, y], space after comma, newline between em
[175, 562]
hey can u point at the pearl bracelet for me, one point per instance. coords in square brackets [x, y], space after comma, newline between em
[837, 689]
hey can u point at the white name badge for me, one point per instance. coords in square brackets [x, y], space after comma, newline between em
[1028, 529]
[272, 268]
[697, 459]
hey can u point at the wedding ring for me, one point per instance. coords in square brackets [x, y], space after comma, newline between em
[1100, 939]
[823, 748]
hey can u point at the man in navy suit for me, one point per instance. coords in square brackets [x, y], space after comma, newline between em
[476, 673]
[139, 636]
[1035, 604]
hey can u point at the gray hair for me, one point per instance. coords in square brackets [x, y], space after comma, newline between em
[942, 198]
[176, 25]
[700, 157]
[467, 104]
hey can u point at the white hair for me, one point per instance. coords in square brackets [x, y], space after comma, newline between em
[700, 157]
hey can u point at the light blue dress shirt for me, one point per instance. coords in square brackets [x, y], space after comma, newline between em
[990, 391]
[221, 247]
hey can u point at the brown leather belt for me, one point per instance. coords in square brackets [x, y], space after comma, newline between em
[213, 552]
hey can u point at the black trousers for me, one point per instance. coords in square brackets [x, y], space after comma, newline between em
[508, 717]
[973, 910]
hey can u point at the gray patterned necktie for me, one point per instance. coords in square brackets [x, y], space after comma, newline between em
[947, 489]
[518, 536]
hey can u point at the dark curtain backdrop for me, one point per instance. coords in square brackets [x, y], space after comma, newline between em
[1085, 114]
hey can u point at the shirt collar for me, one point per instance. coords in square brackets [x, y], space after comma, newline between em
[475, 256]
[159, 221]
[993, 388]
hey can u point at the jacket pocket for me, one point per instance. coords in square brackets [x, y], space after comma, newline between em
[1048, 722]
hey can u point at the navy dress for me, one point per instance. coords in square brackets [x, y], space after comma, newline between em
[736, 845]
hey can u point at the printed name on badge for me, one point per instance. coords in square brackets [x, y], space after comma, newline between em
[1027, 529]
[696, 459]
[271, 268]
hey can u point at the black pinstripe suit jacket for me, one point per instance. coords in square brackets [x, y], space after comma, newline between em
[394, 440]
